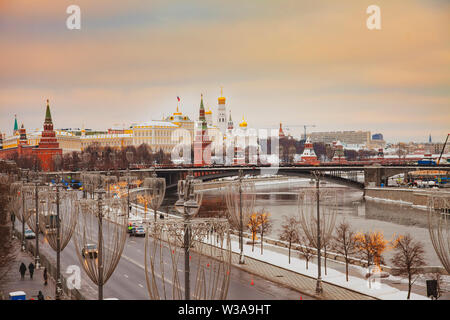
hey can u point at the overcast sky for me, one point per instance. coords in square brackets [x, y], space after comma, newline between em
[296, 62]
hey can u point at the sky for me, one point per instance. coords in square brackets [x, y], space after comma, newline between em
[295, 62]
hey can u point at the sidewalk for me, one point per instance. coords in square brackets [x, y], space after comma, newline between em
[296, 281]
[12, 281]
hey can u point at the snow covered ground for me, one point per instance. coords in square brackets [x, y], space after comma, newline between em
[376, 288]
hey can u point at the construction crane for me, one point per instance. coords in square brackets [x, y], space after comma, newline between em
[443, 148]
[304, 126]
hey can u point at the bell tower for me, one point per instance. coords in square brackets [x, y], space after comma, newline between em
[222, 113]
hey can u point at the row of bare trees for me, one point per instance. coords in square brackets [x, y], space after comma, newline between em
[408, 259]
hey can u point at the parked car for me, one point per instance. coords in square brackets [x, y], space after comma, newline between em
[29, 234]
[89, 250]
[139, 232]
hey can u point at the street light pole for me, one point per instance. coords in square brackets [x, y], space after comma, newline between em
[187, 205]
[37, 260]
[23, 216]
[58, 292]
[100, 247]
[241, 224]
[319, 271]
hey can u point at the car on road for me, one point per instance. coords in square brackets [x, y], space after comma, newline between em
[29, 234]
[90, 250]
[139, 232]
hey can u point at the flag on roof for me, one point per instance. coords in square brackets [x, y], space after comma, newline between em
[178, 98]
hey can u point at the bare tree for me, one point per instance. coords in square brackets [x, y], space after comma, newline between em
[306, 249]
[289, 232]
[265, 225]
[409, 257]
[344, 243]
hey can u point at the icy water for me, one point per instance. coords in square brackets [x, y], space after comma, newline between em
[280, 199]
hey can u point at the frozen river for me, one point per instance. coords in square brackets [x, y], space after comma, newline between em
[280, 199]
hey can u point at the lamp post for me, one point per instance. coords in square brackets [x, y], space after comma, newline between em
[100, 236]
[319, 289]
[155, 189]
[100, 244]
[187, 205]
[317, 222]
[58, 217]
[241, 224]
[37, 260]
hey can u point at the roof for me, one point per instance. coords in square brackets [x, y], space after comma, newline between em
[154, 123]
[107, 136]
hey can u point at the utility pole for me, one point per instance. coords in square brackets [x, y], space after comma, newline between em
[37, 260]
[319, 271]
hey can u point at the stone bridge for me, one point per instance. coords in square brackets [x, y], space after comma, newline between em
[350, 175]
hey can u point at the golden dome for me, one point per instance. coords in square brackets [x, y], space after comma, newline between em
[208, 112]
[243, 124]
[221, 100]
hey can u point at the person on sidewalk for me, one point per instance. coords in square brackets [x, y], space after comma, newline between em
[31, 269]
[40, 296]
[22, 270]
[45, 276]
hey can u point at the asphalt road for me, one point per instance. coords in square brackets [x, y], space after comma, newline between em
[128, 280]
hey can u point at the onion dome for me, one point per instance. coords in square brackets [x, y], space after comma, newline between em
[243, 124]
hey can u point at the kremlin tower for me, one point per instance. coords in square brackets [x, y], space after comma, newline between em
[202, 143]
[230, 125]
[221, 113]
[308, 154]
[23, 136]
[48, 146]
[280, 132]
[339, 155]
[16, 127]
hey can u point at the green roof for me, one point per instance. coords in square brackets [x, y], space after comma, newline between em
[48, 115]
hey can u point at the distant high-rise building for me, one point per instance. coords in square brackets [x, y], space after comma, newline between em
[377, 136]
[346, 137]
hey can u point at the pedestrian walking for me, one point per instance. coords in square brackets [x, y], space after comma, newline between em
[40, 296]
[45, 276]
[22, 270]
[31, 269]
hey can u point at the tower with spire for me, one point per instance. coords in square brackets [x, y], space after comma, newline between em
[48, 147]
[16, 127]
[202, 143]
[308, 155]
[230, 124]
[222, 113]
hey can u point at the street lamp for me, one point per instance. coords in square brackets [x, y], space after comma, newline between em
[100, 236]
[240, 199]
[19, 206]
[318, 224]
[439, 226]
[58, 217]
[33, 195]
[155, 189]
[212, 245]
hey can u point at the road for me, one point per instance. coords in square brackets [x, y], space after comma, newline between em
[128, 280]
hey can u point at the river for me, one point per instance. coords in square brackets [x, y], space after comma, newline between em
[279, 198]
